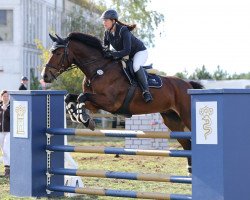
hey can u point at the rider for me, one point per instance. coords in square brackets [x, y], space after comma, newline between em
[125, 43]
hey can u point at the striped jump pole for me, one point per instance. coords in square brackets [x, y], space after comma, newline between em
[120, 151]
[119, 133]
[122, 175]
[119, 193]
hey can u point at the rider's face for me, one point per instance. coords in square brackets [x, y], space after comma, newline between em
[107, 23]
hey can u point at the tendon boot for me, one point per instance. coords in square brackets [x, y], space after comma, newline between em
[7, 171]
[143, 82]
[70, 100]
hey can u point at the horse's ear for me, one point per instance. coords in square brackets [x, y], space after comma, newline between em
[52, 37]
[60, 39]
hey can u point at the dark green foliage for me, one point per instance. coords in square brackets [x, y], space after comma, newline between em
[201, 73]
[218, 74]
[34, 83]
[70, 81]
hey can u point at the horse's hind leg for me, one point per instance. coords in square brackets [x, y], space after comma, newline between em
[174, 123]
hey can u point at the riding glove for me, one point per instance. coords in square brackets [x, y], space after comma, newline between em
[110, 55]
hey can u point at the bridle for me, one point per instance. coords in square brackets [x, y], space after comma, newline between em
[60, 68]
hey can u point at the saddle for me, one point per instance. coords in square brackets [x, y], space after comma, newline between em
[154, 81]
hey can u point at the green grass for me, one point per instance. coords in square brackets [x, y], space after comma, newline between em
[140, 164]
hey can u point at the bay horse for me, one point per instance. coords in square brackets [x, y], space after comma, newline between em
[105, 86]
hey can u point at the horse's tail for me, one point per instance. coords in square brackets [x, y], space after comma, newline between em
[196, 85]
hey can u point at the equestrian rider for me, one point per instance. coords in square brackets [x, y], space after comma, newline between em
[125, 43]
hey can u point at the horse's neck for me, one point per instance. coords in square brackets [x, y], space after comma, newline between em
[86, 58]
[88, 66]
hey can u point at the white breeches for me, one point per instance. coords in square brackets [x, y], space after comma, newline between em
[5, 147]
[139, 59]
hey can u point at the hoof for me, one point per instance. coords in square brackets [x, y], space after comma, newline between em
[91, 124]
[70, 98]
[81, 98]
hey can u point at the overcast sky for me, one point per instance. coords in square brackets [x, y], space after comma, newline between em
[203, 32]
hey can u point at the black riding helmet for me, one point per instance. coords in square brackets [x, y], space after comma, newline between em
[110, 14]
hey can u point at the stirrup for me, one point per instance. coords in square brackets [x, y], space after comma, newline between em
[147, 96]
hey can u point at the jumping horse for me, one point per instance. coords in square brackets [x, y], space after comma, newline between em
[105, 86]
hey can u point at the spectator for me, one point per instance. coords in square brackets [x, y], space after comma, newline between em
[5, 131]
[24, 82]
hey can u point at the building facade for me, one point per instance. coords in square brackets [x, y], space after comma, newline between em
[22, 23]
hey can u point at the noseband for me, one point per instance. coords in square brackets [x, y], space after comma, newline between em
[61, 65]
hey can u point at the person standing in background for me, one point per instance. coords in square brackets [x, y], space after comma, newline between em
[24, 82]
[5, 131]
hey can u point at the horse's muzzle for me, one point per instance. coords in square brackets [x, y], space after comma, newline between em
[46, 76]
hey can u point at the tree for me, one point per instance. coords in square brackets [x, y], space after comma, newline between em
[200, 74]
[239, 76]
[182, 75]
[91, 5]
[75, 21]
[70, 81]
[219, 74]
[135, 11]
[34, 83]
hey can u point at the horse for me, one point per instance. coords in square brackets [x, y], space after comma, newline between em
[105, 86]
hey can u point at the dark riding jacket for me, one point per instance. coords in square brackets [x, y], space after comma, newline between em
[4, 119]
[123, 41]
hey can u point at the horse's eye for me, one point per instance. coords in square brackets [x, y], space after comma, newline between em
[58, 53]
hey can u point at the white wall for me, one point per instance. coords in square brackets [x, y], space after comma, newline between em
[148, 122]
[10, 52]
[12, 60]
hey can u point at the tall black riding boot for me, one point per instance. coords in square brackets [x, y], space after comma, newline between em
[143, 82]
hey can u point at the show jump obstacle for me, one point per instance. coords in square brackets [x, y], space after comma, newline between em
[220, 148]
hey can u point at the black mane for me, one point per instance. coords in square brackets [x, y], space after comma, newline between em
[86, 39]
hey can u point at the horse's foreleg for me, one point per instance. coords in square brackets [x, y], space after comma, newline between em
[71, 101]
[99, 101]
[83, 117]
[77, 112]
